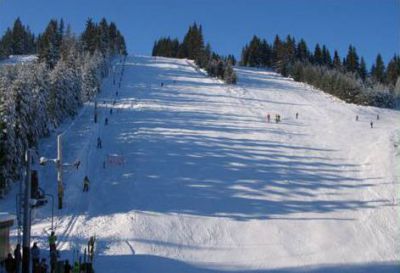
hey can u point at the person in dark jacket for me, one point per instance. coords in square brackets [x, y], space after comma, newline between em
[52, 241]
[53, 261]
[67, 267]
[17, 257]
[35, 252]
[99, 143]
[10, 264]
[86, 184]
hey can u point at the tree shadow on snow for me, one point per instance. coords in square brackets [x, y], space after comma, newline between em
[150, 264]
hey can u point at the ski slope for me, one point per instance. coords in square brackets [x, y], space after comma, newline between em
[203, 183]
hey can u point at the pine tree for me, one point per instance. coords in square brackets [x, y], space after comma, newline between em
[337, 64]
[326, 56]
[318, 58]
[396, 91]
[89, 36]
[393, 71]
[18, 38]
[351, 62]
[49, 44]
[231, 59]
[290, 50]
[104, 37]
[255, 57]
[362, 71]
[229, 74]
[6, 45]
[378, 70]
[302, 52]
[112, 34]
[277, 52]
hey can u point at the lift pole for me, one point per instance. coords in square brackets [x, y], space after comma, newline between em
[27, 215]
[60, 186]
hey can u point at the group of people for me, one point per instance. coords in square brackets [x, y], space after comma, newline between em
[12, 263]
[277, 118]
[371, 123]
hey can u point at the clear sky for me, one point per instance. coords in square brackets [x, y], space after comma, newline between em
[372, 26]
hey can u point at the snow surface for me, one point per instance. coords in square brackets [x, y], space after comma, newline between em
[202, 183]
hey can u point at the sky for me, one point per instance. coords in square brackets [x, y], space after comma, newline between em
[372, 26]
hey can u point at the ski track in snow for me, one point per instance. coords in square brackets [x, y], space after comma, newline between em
[207, 185]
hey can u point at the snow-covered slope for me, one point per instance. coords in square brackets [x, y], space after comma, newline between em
[208, 185]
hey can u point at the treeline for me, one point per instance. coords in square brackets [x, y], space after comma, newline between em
[17, 40]
[347, 78]
[193, 47]
[36, 97]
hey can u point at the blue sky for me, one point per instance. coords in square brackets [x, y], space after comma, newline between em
[372, 26]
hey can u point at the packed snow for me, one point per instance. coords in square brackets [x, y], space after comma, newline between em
[191, 176]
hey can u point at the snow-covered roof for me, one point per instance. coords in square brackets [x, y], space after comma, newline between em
[6, 217]
[18, 59]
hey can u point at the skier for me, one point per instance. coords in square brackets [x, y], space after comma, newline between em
[10, 264]
[76, 268]
[52, 241]
[67, 267]
[162, 84]
[357, 118]
[35, 251]
[377, 117]
[77, 163]
[91, 243]
[53, 261]
[86, 184]
[111, 111]
[106, 121]
[297, 115]
[372, 124]
[17, 257]
[276, 118]
[268, 118]
[99, 143]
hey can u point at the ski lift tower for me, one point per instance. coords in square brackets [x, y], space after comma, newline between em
[59, 165]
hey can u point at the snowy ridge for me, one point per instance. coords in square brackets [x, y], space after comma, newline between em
[208, 185]
[19, 59]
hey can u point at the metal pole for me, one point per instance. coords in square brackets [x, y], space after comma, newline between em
[18, 204]
[27, 215]
[60, 186]
[52, 210]
[95, 111]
